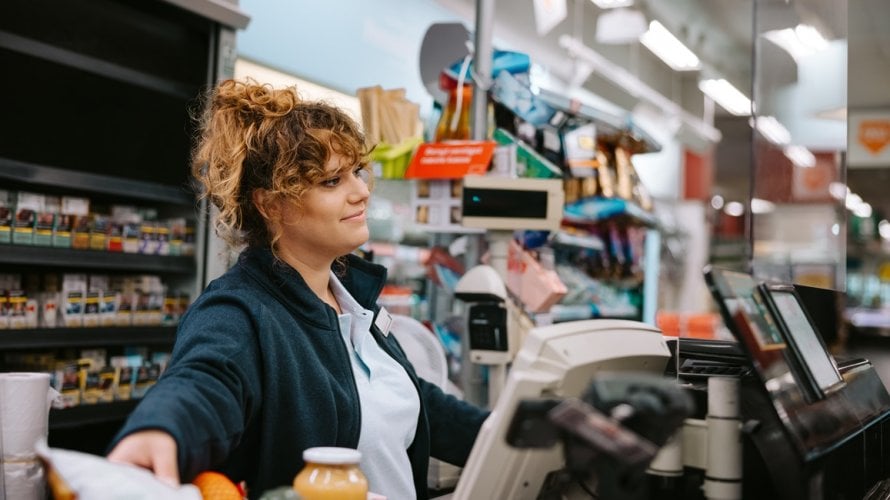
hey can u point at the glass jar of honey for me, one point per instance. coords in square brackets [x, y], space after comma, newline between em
[331, 473]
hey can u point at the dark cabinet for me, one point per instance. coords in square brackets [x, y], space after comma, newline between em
[99, 97]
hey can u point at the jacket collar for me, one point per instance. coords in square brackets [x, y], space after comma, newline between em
[364, 280]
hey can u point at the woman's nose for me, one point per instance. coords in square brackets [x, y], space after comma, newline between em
[360, 190]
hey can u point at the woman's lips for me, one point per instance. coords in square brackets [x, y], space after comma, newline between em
[355, 217]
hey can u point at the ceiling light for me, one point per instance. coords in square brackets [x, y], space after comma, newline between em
[620, 26]
[838, 190]
[863, 210]
[668, 48]
[884, 229]
[853, 201]
[773, 130]
[727, 96]
[801, 41]
[734, 209]
[611, 4]
[717, 202]
[837, 114]
[759, 206]
[800, 156]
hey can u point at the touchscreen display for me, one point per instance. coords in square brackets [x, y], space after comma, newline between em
[806, 340]
[740, 299]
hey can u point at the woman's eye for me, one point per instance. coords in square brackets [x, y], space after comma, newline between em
[332, 182]
[362, 173]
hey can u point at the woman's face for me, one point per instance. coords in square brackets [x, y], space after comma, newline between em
[332, 220]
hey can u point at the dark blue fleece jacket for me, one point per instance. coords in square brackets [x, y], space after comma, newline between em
[259, 373]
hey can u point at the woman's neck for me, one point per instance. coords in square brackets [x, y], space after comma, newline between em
[316, 274]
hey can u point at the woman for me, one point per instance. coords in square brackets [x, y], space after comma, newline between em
[285, 352]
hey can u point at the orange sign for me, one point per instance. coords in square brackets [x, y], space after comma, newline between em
[450, 160]
[874, 135]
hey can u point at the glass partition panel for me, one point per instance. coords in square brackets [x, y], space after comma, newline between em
[797, 213]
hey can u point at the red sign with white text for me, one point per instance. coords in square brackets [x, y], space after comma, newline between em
[450, 160]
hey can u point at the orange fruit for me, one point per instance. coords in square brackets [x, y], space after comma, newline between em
[216, 486]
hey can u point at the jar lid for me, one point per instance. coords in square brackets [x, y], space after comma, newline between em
[332, 455]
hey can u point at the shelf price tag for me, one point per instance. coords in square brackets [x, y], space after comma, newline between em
[450, 160]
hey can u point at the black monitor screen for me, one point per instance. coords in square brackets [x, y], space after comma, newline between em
[811, 350]
[512, 203]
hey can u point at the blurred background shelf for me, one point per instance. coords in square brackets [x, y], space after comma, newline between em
[26, 255]
[41, 338]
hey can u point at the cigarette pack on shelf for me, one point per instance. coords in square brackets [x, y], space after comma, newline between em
[124, 375]
[26, 207]
[74, 288]
[18, 316]
[163, 235]
[188, 240]
[68, 380]
[48, 311]
[45, 220]
[6, 214]
[148, 238]
[177, 235]
[99, 226]
[146, 376]
[73, 219]
[92, 304]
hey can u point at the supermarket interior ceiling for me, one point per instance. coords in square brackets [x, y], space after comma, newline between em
[719, 32]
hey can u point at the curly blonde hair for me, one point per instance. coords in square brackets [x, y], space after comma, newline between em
[251, 137]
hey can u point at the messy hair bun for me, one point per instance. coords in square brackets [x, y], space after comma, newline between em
[252, 136]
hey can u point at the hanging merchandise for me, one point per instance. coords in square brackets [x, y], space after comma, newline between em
[391, 124]
[454, 125]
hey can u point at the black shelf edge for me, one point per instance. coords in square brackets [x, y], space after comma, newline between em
[43, 175]
[98, 413]
[50, 338]
[96, 259]
[58, 55]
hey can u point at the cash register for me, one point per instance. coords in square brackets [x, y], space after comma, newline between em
[808, 425]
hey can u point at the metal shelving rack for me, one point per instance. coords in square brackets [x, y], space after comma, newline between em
[112, 123]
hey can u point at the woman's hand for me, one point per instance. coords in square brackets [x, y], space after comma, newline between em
[154, 450]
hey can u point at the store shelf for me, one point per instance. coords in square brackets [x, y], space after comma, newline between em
[607, 123]
[100, 67]
[26, 255]
[43, 175]
[50, 338]
[99, 413]
[591, 211]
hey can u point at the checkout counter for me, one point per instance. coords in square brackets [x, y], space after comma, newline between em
[790, 422]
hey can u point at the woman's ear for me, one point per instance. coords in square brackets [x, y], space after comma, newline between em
[265, 204]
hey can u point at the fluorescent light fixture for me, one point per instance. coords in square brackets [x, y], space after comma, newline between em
[669, 49]
[802, 41]
[884, 229]
[853, 201]
[863, 210]
[612, 4]
[727, 96]
[800, 156]
[734, 209]
[773, 130]
[619, 26]
[838, 190]
[837, 114]
[759, 206]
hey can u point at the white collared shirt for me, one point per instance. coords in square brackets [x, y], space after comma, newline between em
[390, 404]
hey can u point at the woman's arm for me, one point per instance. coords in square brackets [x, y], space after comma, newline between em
[154, 450]
[205, 398]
